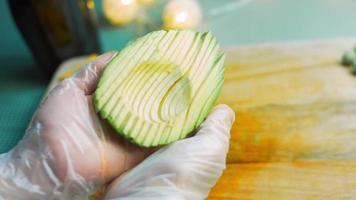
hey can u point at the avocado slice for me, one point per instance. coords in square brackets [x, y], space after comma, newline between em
[161, 86]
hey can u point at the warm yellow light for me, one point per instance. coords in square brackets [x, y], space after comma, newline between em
[126, 2]
[181, 17]
[120, 12]
[146, 2]
[90, 4]
[182, 14]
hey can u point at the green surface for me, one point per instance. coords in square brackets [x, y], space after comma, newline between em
[259, 21]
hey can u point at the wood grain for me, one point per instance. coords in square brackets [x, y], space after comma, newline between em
[293, 101]
[285, 74]
[295, 133]
[292, 180]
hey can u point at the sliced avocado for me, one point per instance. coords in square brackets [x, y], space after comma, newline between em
[161, 86]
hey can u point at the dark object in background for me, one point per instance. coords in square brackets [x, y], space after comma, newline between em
[56, 30]
[349, 60]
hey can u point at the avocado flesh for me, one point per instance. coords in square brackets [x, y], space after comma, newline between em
[161, 86]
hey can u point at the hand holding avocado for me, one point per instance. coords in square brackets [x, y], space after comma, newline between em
[69, 151]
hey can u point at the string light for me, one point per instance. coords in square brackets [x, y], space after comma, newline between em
[120, 12]
[182, 14]
[181, 17]
[126, 2]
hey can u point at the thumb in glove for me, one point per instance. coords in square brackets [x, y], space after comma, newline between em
[186, 169]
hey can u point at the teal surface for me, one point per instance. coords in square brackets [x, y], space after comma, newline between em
[261, 21]
[21, 88]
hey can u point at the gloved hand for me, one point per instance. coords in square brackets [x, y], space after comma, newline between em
[67, 150]
[184, 170]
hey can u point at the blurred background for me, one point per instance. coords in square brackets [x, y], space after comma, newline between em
[38, 35]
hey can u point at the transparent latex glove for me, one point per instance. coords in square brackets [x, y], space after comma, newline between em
[185, 170]
[67, 151]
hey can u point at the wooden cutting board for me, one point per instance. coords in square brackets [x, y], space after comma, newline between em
[295, 130]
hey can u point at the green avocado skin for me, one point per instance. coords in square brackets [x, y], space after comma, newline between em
[161, 87]
[349, 58]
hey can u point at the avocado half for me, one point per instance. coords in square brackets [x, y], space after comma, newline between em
[161, 86]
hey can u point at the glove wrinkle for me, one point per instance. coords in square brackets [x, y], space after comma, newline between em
[186, 169]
